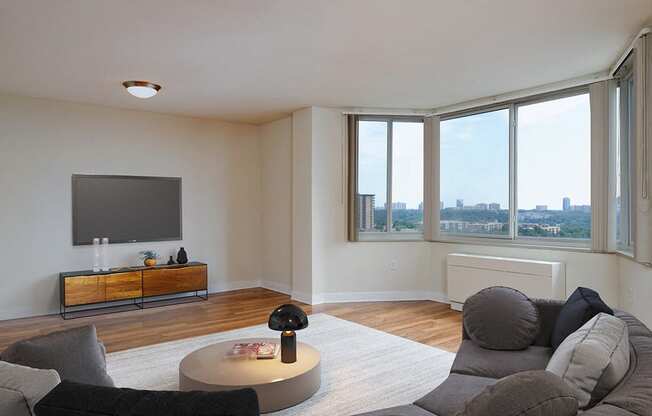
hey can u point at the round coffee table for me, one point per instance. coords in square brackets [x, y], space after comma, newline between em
[278, 385]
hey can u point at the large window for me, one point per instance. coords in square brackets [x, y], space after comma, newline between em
[624, 152]
[474, 174]
[389, 194]
[553, 153]
[522, 171]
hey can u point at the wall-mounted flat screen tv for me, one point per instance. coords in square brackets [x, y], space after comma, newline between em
[126, 209]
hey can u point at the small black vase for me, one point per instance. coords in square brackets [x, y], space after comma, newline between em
[171, 261]
[182, 257]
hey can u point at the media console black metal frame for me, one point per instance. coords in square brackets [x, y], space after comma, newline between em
[132, 303]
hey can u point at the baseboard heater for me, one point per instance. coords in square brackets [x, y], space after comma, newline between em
[468, 273]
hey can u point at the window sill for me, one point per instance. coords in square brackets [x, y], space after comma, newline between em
[389, 237]
[554, 244]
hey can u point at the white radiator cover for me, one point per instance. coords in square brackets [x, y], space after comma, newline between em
[469, 273]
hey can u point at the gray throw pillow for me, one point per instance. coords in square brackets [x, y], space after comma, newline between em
[530, 393]
[22, 387]
[75, 354]
[593, 359]
[501, 318]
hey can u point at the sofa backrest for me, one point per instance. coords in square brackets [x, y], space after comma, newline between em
[633, 395]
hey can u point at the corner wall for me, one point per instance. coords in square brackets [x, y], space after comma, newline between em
[333, 269]
[43, 142]
[276, 205]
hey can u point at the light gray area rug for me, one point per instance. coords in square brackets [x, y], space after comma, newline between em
[362, 369]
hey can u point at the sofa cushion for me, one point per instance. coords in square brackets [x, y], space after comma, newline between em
[74, 353]
[471, 359]
[501, 318]
[593, 359]
[22, 387]
[531, 393]
[449, 397]
[580, 307]
[77, 399]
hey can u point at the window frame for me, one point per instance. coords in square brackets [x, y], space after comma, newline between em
[627, 132]
[387, 235]
[512, 238]
[452, 236]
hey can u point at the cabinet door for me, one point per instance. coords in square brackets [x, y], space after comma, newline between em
[174, 280]
[124, 286]
[81, 290]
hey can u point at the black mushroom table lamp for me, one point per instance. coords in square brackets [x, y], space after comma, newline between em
[288, 318]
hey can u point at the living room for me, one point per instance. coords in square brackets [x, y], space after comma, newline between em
[175, 175]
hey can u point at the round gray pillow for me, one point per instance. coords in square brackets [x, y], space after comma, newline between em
[501, 318]
[530, 393]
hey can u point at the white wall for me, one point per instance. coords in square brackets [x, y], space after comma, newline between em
[636, 289]
[276, 172]
[393, 270]
[261, 205]
[302, 251]
[43, 142]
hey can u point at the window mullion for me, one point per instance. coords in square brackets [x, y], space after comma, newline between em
[513, 208]
[388, 210]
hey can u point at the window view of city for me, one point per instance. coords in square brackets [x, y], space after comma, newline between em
[405, 184]
[572, 221]
[553, 187]
[553, 191]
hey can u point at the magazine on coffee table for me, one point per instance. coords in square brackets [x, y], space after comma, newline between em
[259, 350]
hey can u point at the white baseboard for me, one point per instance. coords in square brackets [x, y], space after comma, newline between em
[277, 287]
[304, 297]
[340, 297]
[237, 285]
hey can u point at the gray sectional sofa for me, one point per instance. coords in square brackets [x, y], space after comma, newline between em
[475, 368]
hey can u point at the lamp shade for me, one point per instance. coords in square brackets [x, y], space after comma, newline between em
[288, 317]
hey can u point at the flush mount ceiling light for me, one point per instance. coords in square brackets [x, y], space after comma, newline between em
[141, 89]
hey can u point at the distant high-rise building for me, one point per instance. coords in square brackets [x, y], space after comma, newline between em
[566, 204]
[494, 206]
[397, 205]
[420, 206]
[459, 203]
[481, 206]
[366, 207]
[441, 204]
[541, 207]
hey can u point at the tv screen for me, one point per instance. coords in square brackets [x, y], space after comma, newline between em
[126, 209]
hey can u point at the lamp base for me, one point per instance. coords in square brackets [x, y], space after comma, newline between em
[288, 347]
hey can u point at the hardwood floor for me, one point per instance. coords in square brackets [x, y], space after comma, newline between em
[427, 322]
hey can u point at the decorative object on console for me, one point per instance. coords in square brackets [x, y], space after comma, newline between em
[149, 257]
[182, 256]
[105, 255]
[288, 318]
[97, 255]
[171, 261]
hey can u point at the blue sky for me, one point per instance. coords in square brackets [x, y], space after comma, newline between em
[553, 143]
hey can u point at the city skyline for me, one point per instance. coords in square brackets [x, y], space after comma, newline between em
[475, 155]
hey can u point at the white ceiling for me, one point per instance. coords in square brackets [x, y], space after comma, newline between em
[255, 60]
